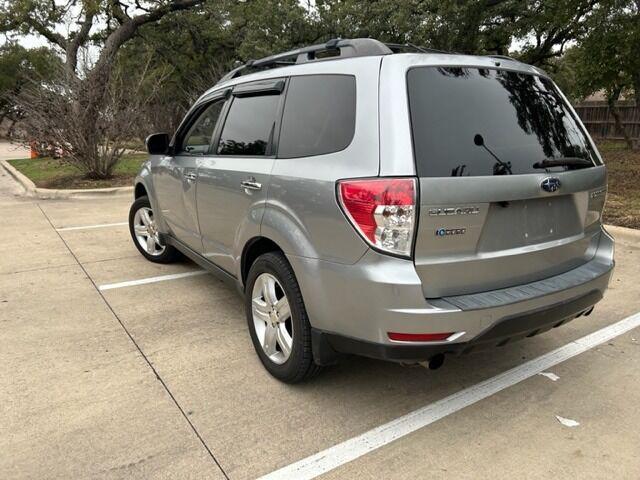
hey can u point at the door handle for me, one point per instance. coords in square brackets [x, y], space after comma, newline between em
[251, 184]
[190, 176]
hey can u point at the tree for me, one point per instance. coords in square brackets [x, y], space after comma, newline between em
[546, 28]
[53, 123]
[17, 66]
[191, 50]
[608, 59]
[198, 47]
[105, 24]
[564, 72]
[541, 28]
[467, 26]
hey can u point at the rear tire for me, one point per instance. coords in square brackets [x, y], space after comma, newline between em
[278, 321]
[145, 235]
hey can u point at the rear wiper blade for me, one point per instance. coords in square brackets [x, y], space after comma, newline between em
[564, 162]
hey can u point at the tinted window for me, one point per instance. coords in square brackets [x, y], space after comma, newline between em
[199, 136]
[319, 115]
[249, 126]
[520, 117]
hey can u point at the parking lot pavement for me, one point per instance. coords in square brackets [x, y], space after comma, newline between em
[28, 241]
[515, 433]
[161, 380]
[78, 399]
[9, 189]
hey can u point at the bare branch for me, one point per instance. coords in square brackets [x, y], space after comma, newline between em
[129, 27]
[144, 9]
[55, 116]
[161, 11]
[52, 36]
[118, 13]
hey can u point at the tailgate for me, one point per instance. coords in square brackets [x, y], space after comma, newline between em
[478, 234]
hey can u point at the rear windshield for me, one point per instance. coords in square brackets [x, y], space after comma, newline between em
[480, 121]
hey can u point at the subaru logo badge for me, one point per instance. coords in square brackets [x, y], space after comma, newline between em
[551, 184]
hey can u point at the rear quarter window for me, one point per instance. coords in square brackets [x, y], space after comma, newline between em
[319, 115]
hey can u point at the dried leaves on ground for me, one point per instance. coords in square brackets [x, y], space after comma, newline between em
[623, 198]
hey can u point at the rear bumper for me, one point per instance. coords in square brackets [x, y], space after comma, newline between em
[352, 307]
[328, 346]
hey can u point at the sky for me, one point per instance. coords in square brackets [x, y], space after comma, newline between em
[31, 41]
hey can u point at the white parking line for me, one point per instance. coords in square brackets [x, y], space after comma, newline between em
[144, 281]
[356, 447]
[87, 227]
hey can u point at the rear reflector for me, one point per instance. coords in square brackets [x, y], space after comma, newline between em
[419, 337]
[383, 210]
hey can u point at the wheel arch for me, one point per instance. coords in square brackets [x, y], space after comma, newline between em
[140, 190]
[252, 250]
[143, 185]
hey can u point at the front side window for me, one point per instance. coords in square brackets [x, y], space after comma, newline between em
[319, 115]
[249, 127]
[199, 136]
[469, 121]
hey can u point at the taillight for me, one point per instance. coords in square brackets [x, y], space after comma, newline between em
[383, 210]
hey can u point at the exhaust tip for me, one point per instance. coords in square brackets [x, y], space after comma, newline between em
[588, 312]
[436, 361]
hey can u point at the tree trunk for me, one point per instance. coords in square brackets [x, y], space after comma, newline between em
[82, 121]
[636, 94]
[12, 126]
[612, 100]
[94, 87]
[91, 100]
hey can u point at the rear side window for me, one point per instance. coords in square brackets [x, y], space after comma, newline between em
[319, 115]
[249, 127]
[520, 118]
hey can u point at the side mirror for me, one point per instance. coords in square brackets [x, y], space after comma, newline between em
[157, 143]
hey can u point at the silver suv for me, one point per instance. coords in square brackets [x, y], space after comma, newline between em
[383, 200]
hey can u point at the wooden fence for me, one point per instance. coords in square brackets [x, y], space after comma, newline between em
[599, 121]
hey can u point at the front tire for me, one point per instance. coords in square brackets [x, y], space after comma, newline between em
[278, 321]
[145, 235]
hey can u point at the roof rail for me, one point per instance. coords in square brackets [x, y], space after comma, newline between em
[356, 47]
[411, 48]
[337, 47]
[504, 57]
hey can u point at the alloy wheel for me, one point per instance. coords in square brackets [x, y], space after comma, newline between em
[146, 232]
[272, 318]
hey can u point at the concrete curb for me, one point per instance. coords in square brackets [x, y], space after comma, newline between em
[629, 236]
[31, 190]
